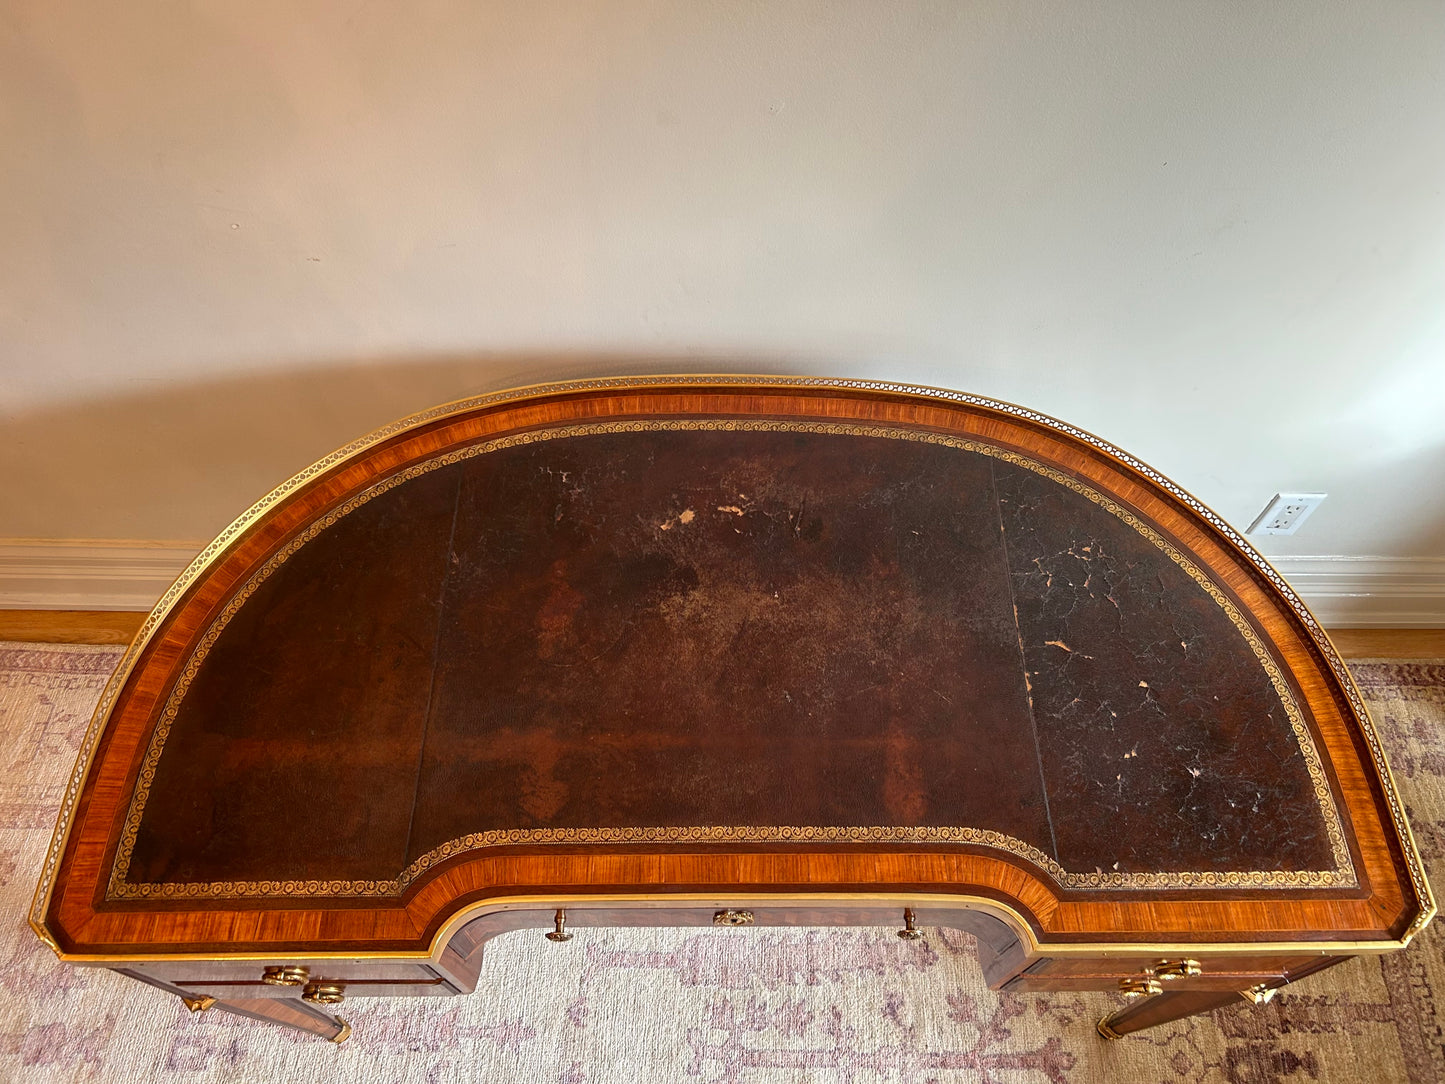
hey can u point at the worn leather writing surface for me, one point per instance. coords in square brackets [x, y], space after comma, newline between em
[1163, 744]
[310, 709]
[726, 628]
[681, 628]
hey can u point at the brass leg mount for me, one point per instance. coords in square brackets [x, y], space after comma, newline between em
[1258, 995]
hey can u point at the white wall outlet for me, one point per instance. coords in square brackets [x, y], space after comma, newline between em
[1286, 512]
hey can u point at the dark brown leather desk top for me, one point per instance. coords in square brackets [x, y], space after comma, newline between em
[744, 622]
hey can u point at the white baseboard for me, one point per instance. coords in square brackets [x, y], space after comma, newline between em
[80, 574]
[46, 574]
[1369, 592]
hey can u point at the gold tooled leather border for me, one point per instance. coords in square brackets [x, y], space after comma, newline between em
[1343, 875]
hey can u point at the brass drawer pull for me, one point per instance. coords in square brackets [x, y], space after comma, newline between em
[285, 976]
[1143, 986]
[198, 1004]
[910, 931]
[1176, 969]
[733, 918]
[559, 930]
[324, 993]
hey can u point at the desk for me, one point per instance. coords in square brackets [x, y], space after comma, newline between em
[744, 650]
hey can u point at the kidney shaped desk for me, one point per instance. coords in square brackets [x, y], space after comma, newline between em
[735, 650]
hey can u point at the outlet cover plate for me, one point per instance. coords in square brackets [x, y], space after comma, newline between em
[1285, 513]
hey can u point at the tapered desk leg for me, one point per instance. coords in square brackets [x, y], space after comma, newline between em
[289, 1013]
[1164, 1008]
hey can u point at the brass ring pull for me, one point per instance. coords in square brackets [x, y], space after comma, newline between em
[1142, 986]
[910, 932]
[284, 976]
[559, 933]
[733, 918]
[324, 993]
[1176, 969]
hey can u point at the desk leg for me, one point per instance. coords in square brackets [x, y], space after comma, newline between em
[283, 1011]
[288, 1012]
[1163, 1009]
[291, 1014]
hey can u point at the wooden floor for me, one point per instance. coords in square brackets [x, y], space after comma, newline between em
[1389, 643]
[70, 626]
[119, 627]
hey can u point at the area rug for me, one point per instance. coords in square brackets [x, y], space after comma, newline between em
[752, 1006]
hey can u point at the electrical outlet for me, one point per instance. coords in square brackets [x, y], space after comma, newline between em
[1286, 512]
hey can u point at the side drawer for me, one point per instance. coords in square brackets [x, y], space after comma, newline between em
[434, 987]
[247, 979]
[1221, 972]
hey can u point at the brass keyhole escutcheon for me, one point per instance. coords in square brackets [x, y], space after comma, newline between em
[1176, 969]
[324, 993]
[285, 976]
[733, 918]
[1143, 986]
[559, 931]
[910, 931]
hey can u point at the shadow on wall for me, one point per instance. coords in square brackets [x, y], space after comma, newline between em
[179, 463]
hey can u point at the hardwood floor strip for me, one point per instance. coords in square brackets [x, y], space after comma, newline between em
[70, 626]
[1389, 643]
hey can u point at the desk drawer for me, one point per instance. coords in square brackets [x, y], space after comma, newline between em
[1224, 972]
[246, 979]
[434, 987]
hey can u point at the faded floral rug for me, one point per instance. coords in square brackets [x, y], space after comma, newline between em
[737, 1006]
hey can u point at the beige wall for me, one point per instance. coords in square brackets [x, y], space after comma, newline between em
[233, 236]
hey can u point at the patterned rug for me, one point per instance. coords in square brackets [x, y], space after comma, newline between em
[737, 1006]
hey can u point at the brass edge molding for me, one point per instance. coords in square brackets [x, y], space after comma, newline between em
[119, 887]
[1406, 836]
[60, 836]
[546, 905]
